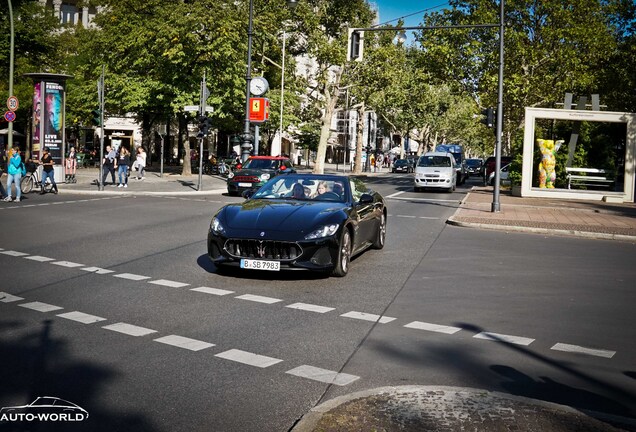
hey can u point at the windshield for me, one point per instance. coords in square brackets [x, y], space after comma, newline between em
[261, 164]
[434, 161]
[400, 162]
[302, 188]
[473, 163]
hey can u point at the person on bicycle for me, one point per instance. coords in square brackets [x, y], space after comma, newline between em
[14, 174]
[47, 170]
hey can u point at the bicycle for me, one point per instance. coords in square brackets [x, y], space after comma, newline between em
[32, 178]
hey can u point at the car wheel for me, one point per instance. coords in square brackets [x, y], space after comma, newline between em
[381, 235]
[344, 255]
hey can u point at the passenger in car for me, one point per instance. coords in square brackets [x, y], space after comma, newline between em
[321, 189]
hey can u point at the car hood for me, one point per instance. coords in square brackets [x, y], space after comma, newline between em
[253, 172]
[280, 215]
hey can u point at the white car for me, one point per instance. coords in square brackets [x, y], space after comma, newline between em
[435, 170]
[503, 176]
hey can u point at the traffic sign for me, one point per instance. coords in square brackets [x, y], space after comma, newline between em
[9, 116]
[12, 103]
[259, 109]
[191, 108]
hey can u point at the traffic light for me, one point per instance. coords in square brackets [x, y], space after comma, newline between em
[204, 126]
[96, 117]
[488, 117]
[355, 45]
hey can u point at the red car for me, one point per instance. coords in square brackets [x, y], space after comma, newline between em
[489, 166]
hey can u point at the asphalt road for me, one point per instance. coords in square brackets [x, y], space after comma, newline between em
[163, 343]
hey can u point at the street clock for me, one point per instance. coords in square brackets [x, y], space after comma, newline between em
[258, 86]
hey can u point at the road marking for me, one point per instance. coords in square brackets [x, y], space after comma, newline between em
[517, 340]
[248, 358]
[368, 317]
[213, 291]
[168, 283]
[39, 258]
[258, 299]
[184, 342]
[129, 329]
[82, 317]
[13, 253]
[429, 217]
[68, 264]
[583, 350]
[418, 325]
[40, 307]
[310, 307]
[424, 199]
[395, 194]
[98, 270]
[8, 298]
[131, 276]
[323, 375]
[406, 216]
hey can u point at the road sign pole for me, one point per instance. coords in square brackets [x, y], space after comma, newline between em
[12, 43]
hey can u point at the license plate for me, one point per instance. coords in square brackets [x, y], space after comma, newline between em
[245, 184]
[260, 265]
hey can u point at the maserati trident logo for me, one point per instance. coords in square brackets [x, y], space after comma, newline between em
[262, 233]
[260, 249]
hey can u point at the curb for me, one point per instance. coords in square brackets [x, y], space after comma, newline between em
[141, 193]
[310, 420]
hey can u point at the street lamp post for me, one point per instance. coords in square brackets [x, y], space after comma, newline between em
[12, 36]
[247, 138]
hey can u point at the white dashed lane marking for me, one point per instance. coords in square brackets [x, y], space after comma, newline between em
[432, 327]
[168, 283]
[40, 307]
[68, 264]
[583, 350]
[248, 358]
[8, 298]
[517, 340]
[39, 258]
[310, 307]
[258, 299]
[184, 342]
[323, 375]
[131, 276]
[13, 253]
[129, 329]
[97, 270]
[213, 291]
[368, 317]
[81, 317]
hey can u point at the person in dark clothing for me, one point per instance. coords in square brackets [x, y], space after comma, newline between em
[123, 162]
[110, 163]
[47, 170]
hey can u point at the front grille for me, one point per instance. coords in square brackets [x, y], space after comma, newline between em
[246, 179]
[262, 249]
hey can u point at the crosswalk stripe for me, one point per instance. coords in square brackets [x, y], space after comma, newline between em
[129, 329]
[368, 317]
[81, 317]
[131, 276]
[418, 325]
[310, 307]
[40, 307]
[517, 340]
[184, 342]
[583, 350]
[248, 358]
[323, 375]
[8, 298]
[39, 258]
[258, 299]
[68, 264]
[213, 291]
[168, 283]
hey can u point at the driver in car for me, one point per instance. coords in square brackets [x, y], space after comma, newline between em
[298, 191]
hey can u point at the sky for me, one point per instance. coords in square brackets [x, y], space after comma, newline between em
[392, 9]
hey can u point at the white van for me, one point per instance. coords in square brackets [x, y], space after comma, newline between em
[435, 170]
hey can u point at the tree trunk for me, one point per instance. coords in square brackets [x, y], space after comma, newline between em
[183, 126]
[359, 137]
[331, 99]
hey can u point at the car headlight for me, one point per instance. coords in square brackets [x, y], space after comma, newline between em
[325, 231]
[264, 177]
[216, 227]
[230, 175]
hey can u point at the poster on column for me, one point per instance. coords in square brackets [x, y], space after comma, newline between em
[53, 119]
[37, 109]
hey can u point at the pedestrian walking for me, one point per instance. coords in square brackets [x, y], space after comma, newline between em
[71, 166]
[15, 171]
[110, 163]
[48, 171]
[141, 163]
[123, 162]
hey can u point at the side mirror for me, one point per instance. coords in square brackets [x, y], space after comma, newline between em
[366, 199]
[248, 193]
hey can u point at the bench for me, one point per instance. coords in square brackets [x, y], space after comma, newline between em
[587, 177]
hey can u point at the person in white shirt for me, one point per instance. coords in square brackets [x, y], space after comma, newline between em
[141, 163]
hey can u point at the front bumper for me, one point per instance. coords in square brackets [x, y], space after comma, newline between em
[433, 182]
[315, 255]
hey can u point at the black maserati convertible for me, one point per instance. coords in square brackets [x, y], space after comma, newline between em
[299, 221]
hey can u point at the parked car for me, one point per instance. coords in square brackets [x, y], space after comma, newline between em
[402, 165]
[436, 170]
[473, 166]
[256, 171]
[288, 224]
[489, 166]
[503, 176]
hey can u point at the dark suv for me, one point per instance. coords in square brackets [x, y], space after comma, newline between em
[256, 171]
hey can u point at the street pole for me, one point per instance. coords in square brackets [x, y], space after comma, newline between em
[12, 44]
[100, 96]
[247, 136]
[282, 94]
[202, 105]
[495, 198]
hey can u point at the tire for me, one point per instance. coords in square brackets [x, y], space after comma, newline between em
[26, 184]
[344, 255]
[381, 237]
